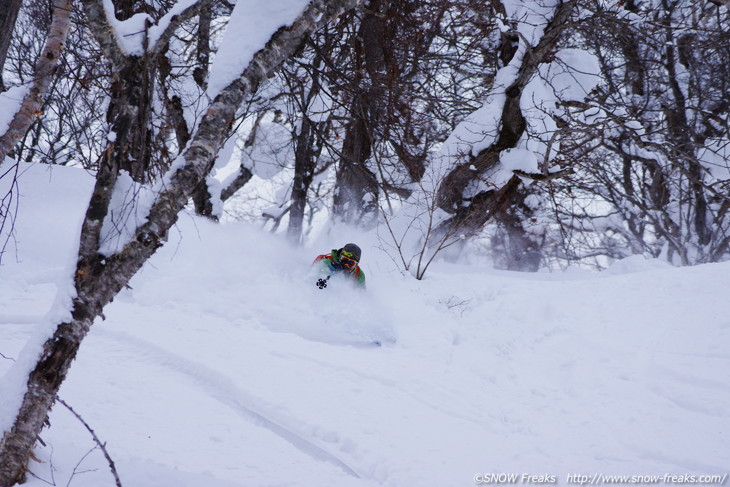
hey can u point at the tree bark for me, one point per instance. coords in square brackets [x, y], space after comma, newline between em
[308, 145]
[98, 278]
[243, 176]
[200, 74]
[305, 162]
[8, 15]
[129, 115]
[356, 194]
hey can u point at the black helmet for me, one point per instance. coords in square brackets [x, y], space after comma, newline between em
[352, 249]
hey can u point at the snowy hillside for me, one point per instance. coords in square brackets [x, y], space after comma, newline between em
[223, 365]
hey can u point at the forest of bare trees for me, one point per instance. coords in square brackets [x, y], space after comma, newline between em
[542, 133]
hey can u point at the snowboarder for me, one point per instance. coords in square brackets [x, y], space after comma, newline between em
[344, 261]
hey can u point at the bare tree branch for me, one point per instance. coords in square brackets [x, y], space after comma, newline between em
[98, 442]
[176, 19]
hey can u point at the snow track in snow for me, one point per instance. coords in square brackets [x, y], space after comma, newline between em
[221, 388]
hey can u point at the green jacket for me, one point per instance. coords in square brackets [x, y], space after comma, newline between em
[330, 264]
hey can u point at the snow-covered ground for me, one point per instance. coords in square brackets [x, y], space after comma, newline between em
[223, 365]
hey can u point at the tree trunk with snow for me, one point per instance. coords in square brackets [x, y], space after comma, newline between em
[470, 213]
[99, 278]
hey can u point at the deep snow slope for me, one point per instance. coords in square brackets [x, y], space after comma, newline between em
[223, 364]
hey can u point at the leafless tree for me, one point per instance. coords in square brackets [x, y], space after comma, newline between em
[650, 146]
[472, 210]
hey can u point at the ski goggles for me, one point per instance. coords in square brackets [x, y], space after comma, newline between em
[347, 262]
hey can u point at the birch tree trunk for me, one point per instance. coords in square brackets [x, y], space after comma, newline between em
[30, 108]
[98, 278]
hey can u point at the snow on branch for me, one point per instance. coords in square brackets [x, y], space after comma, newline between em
[476, 146]
[249, 28]
[138, 35]
[160, 34]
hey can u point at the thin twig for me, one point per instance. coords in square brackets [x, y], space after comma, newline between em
[78, 464]
[101, 445]
[51, 469]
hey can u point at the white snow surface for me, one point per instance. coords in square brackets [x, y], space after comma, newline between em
[223, 365]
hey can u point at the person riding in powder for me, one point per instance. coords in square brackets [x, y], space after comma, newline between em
[344, 261]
